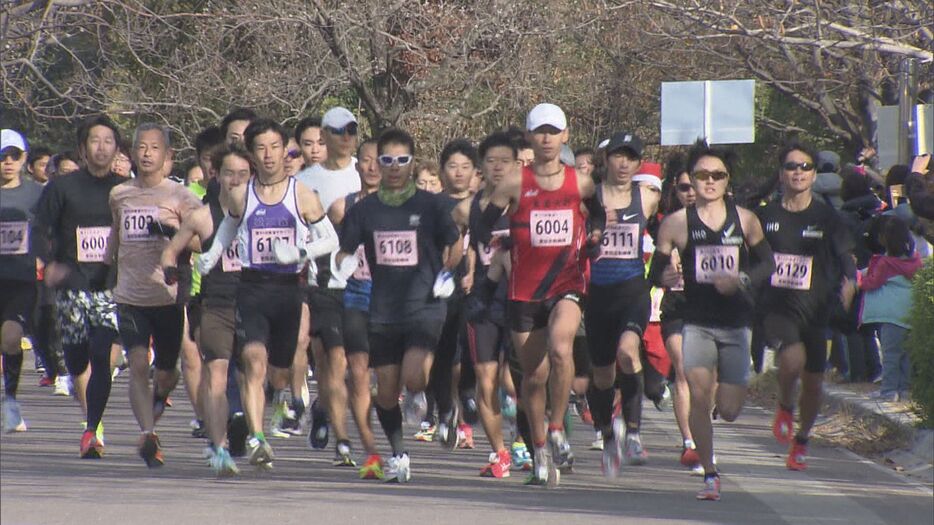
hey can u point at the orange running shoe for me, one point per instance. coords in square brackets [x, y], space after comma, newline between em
[783, 426]
[797, 456]
[91, 447]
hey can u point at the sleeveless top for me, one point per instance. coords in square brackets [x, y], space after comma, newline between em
[621, 253]
[264, 223]
[359, 285]
[219, 286]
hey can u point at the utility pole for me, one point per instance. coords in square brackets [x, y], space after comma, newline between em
[907, 129]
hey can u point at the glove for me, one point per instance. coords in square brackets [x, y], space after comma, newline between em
[347, 267]
[287, 253]
[161, 230]
[170, 275]
[444, 284]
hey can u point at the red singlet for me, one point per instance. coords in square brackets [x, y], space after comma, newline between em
[548, 234]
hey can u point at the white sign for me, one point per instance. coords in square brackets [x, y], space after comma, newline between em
[722, 111]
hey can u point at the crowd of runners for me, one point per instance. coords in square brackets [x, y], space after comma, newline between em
[503, 286]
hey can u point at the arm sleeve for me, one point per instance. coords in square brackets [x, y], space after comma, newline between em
[226, 233]
[660, 261]
[324, 238]
[762, 264]
[597, 213]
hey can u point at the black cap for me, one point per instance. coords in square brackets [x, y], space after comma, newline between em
[625, 140]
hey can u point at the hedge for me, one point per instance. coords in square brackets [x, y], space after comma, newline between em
[921, 342]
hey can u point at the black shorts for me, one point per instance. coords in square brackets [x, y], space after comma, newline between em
[357, 330]
[193, 312]
[581, 356]
[485, 341]
[612, 310]
[162, 324]
[526, 316]
[782, 330]
[671, 327]
[269, 313]
[327, 315]
[389, 342]
[17, 301]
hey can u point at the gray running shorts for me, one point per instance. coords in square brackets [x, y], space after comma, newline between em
[725, 350]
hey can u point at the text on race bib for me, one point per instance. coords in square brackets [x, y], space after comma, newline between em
[262, 240]
[230, 260]
[792, 271]
[92, 243]
[715, 261]
[396, 248]
[135, 223]
[362, 273]
[551, 227]
[620, 241]
[657, 294]
[14, 238]
[485, 252]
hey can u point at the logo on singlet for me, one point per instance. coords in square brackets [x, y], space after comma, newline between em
[628, 217]
[698, 235]
[811, 232]
[415, 220]
[260, 212]
[531, 193]
[772, 226]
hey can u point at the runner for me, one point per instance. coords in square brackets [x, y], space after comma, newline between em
[310, 142]
[73, 217]
[235, 123]
[332, 180]
[276, 215]
[215, 328]
[18, 251]
[813, 261]
[486, 323]
[356, 316]
[716, 240]
[619, 303]
[145, 209]
[405, 231]
[545, 205]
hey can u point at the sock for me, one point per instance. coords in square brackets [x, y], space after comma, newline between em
[555, 426]
[260, 435]
[689, 443]
[298, 406]
[391, 420]
[12, 366]
[712, 475]
[801, 440]
[631, 387]
[601, 408]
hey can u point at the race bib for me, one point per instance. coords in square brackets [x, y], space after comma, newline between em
[486, 252]
[657, 294]
[92, 243]
[14, 238]
[230, 260]
[136, 223]
[619, 241]
[715, 261]
[362, 273]
[263, 238]
[398, 248]
[551, 227]
[792, 271]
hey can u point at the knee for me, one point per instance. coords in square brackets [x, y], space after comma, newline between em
[139, 362]
[729, 414]
[604, 377]
[562, 356]
[416, 382]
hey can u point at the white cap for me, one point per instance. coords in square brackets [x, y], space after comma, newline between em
[651, 179]
[12, 139]
[546, 115]
[603, 143]
[338, 117]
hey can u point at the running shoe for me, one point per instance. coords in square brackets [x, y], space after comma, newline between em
[260, 453]
[498, 466]
[540, 468]
[783, 426]
[45, 381]
[561, 453]
[635, 452]
[689, 457]
[372, 468]
[224, 466]
[319, 434]
[465, 436]
[663, 402]
[63, 386]
[507, 406]
[197, 429]
[520, 456]
[612, 461]
[342, 456]
[446, 431]
[583, 409]
[597, 441]
[150, 449]
[237, 432]
[397, 469]
[711, 490]
[292, 425]
[12, 419]
[414, 408]
[91, 447]
[797, 456]
[426, 433]
[99, 433]
[276, 422]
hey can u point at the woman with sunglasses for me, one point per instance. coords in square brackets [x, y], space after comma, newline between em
[724, 254]
[814, 261]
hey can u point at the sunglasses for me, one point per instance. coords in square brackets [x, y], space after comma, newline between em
[12, 153]
[349, 129]
[684, 187]
[803, 166]
[389, 160]
[294, 154]
[708, 174]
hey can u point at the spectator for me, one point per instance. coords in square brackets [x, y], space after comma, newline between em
[887, 301]
[920, 188]
[62, 164]
[859, 210]
[829, 182]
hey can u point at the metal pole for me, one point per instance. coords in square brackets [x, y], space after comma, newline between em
[906, 129]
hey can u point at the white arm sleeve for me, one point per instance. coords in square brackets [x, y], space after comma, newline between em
[323, 238]
[226, 233]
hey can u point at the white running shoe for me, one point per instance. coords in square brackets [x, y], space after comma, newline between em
[414, 407]
[63, 386]
[397, 469]
[12, 419]
[597, 441]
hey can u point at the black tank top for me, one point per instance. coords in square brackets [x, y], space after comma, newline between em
[707, 254]
[219, 286]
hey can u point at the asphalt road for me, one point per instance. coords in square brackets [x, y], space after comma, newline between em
[42, 480]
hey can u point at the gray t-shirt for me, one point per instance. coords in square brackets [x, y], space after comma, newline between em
[331, 184]
[17, 221]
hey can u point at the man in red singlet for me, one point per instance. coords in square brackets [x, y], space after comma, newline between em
[547, 224]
